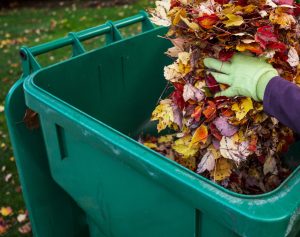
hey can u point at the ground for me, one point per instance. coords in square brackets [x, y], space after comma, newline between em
[32, 26]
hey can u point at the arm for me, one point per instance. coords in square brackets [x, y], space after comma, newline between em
[282, 101]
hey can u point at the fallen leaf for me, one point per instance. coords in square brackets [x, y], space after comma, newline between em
[207, 21]
[241, 109]
[207, 162]
[284, 20]
[159, 16]
[233, 20]
[150, 145]
[293, 57]
[21, 217]
[164, 114]
[25, 229]
[172, 72]
[181, 146]
[8, 177]
[6, 211]
[200, 135]
[191, 25]
[222, 169]
[234, 151]
[31, 119]
[210, 110]
[252, 47]
[191, 93]
[270, 166]
[224, 127]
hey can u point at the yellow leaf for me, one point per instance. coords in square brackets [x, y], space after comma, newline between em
[189, 163]
[284, 20]
[165, 139]
[164, 114]
[222, 169]
[6, 211]
[192, 25]
[200, 135]
[233, 20]
[241, 109]
[150, 145]
[182, 147]
[176, 14]
[184, 57]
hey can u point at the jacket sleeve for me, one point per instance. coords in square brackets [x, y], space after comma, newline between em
[282, 101]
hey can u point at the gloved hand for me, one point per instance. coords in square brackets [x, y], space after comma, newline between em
[246, 75]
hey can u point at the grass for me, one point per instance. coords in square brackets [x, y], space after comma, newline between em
[31, 26]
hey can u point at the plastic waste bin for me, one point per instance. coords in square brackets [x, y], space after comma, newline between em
[84, 174]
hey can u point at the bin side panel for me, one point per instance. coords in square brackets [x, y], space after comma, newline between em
[51, 210]
[119, 200]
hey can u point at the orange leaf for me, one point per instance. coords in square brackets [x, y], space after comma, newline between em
[200, 135]
[227, 112]
[253, 47]
[207, 21]
[210, 110]
[197, 113]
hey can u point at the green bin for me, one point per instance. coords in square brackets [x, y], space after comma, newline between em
[84, 174]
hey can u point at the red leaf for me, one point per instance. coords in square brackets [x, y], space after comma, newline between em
[178, 86]
[265, 35]
[284, 2]
[277, 46]
[212, 84]
[178, 99]
[297, 9]
[226, 55]
[215, 132]
[175, 3]
[242, 2]
[207, 21]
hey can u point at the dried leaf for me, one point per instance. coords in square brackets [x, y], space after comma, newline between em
[191, 25]
[160, 13]
[31, 119]
[270, 166]
[207, 21]
[241, 109]
[181, 146]
[234, 151]
[222, 169]
[233, 20]
[200, 135]
[293, 57]
[164, 114]
[224, 127]
[191, 93]
[172, 72]
[207, 162]
[284, 20]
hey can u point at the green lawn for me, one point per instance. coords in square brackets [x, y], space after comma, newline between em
[30, 26]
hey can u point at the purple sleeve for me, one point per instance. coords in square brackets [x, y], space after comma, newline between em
[282, 101]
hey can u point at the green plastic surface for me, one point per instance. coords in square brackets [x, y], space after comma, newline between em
[85, 164]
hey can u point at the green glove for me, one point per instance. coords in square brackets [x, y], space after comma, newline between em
[246, 75]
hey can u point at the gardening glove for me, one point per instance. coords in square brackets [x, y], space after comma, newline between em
[246, 75]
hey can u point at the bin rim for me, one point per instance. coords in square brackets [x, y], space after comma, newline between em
[30, 86]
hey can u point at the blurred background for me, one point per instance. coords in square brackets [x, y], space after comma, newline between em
[27, 22]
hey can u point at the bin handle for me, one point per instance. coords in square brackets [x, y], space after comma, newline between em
[111, 29]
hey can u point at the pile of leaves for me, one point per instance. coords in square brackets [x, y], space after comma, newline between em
[228, 140]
